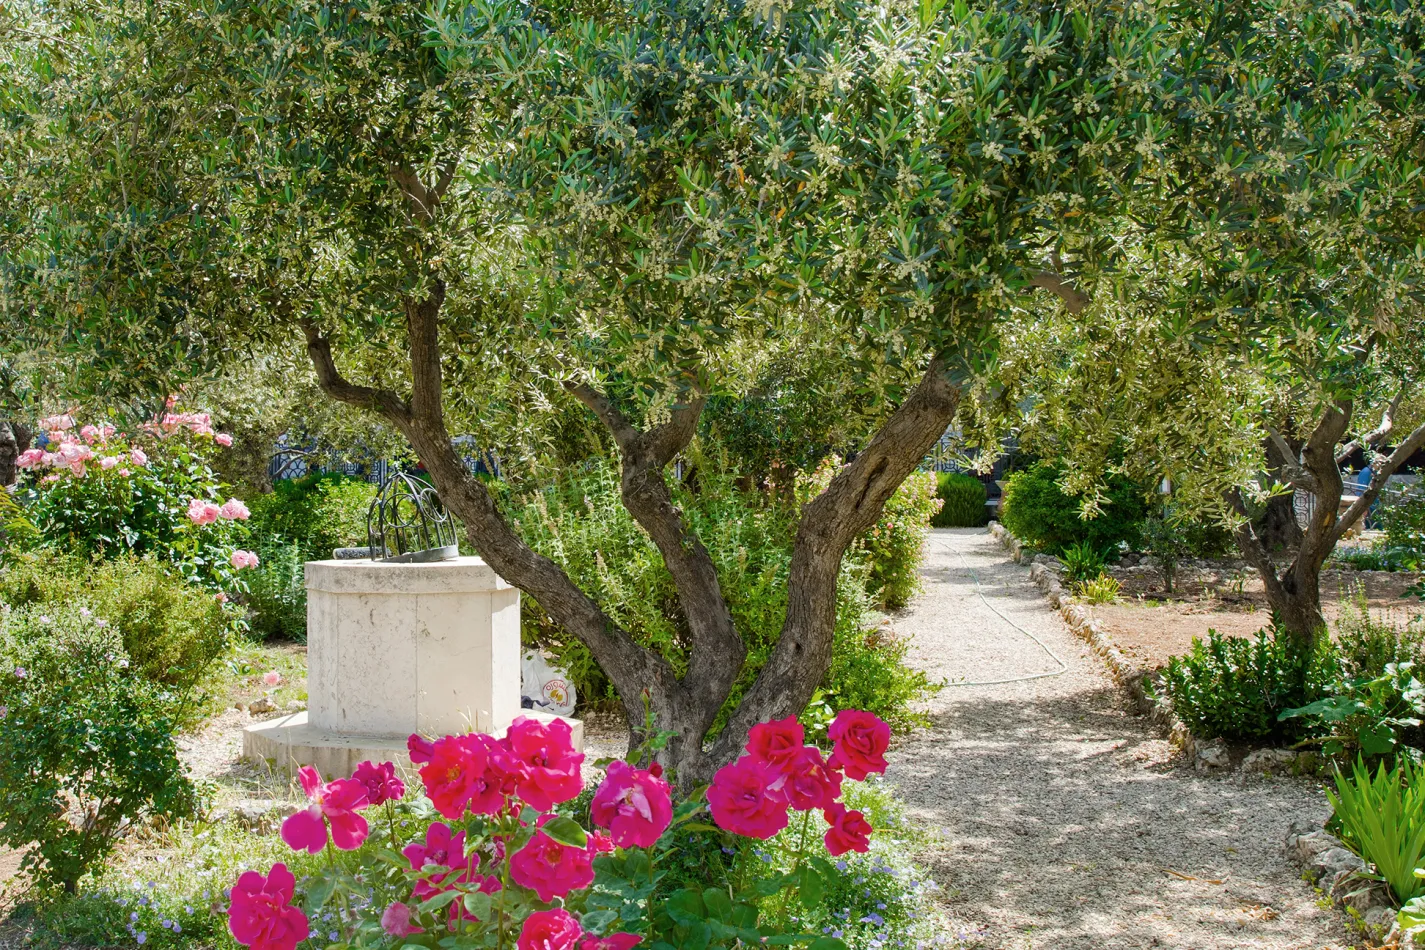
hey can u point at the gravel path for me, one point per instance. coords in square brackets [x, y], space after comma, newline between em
[1058, 820]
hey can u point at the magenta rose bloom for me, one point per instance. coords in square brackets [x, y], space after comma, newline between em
[776, 742]
[806, 782]
[260, 911]
[381, 782]
[455, 776]
[337, 803]
[618, 941]
[396, 921]
[442, 849]
[550, 764]
[634, 804]
[859, 743]
[741, 803]
[420, 749]
[849, 831]
[549, 930]
[551, 869]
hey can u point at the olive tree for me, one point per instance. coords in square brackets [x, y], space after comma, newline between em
[458, 210]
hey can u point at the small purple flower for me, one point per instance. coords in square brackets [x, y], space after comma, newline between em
[134, 916]
[142, 938]
[21, 673]
[101, 622]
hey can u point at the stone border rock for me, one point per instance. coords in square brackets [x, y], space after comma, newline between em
[1342, 876]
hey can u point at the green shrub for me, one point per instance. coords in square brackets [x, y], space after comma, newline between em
[1103, 589]
[1382, 819]
[170, 629]
[1369, 716]
[893, 546]
[1367, 643]
[1082, 562]
[963, 498]
[276, 598]
[1236, 688]
[1038, 512]
[86, 743]
[581, 523]
[318, 512]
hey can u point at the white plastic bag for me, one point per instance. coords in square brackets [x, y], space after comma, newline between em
[545, 688]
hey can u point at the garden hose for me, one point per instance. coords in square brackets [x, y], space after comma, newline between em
[1063, 667]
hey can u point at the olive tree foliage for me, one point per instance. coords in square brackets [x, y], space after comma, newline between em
[1246, 364]
[465, 212]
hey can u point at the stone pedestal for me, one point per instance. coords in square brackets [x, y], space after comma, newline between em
[395, 649]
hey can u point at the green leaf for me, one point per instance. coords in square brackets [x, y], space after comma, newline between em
[318, 893]
[566, 831]
[812, 890]
[478, 904]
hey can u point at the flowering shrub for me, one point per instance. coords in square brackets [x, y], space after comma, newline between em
[496, 864]
[86, 743]
[97, 491]
[892, 547]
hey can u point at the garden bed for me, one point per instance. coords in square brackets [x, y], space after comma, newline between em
[1150, 626]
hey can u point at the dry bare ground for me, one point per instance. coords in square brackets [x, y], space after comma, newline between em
[1062, 822]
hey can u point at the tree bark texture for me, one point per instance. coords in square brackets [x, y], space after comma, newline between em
[14, 439]
[1294, 591]
[852, 503]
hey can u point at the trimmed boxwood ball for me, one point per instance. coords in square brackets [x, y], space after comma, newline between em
[964, 497]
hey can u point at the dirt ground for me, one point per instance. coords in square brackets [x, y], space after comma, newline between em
[1149, 625]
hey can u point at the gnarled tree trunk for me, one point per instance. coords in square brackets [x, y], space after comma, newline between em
[14, 439]
[1294, 592]
[688, 705]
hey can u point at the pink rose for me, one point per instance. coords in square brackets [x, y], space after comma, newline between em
[202, 512]
[457, 777]
[220, 597]
[243, 559]
[549, 930]
[849, 831]
[443, 851]
[776, 742]
[89, 433]
[234, 510]
[396, 921]
[138, 458]
[859, 743]
[336, 802]
[618, 941]
[57, 423]
[420, 749]
[108, 462]
[806, 782]
[635, 806]
[223, 439]
[260, 911]
[382, 783]
[741, 803]
[550, 764]
[551, 869]
[30, 458]
[271, 678]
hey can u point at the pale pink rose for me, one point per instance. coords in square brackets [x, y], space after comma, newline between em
[242, 559]
[220, 597]
[271, 678]
[125, 472]
[223, 439]
[77, 467]
[137, 457]
[51, 477]
[108, 462]
[234, 510]
[57, 423]
[89, 434]
[30, 458]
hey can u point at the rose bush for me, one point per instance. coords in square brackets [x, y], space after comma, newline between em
[496, 865]
[96, 491]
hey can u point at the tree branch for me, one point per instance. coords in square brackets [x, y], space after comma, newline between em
[1075, 300]
[381, 401]
[717, 651]
[1378, 434]
[849, 505]
[1381, 470]
[1291, 465]
[1252, 548]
